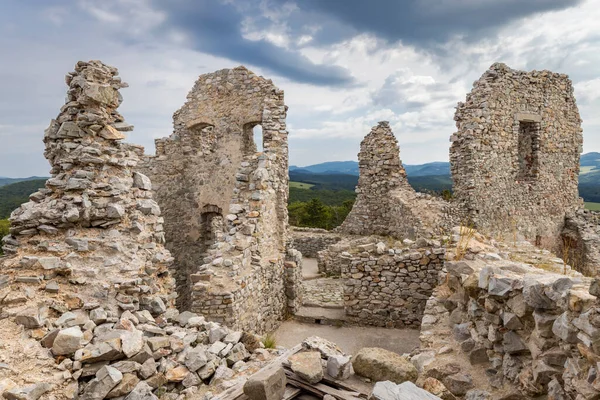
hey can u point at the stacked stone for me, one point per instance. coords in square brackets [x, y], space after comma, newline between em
[93, 235]
[208, 169]
[309, 241]
[515, 157]
[386, 204]
[100, 355]
[390, 286]
[534, 331]
[580, 241]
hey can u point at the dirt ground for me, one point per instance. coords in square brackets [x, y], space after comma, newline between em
[350, 338]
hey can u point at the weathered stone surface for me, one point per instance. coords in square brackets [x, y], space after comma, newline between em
[458, 384]
[28, 392]
[127, 384]
[268, 384]
[386, 204]
[106, 379]
[406, 391]
[307, 366]
[339, 367]
[67, 341]
[492, 181]
[383, 365]
[142, 391]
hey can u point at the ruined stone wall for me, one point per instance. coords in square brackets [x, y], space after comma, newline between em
[94, 236]
[580, 241]
[388, 286]
[309, 241]
[534, 331]
[515, 157]
[225, 204]
[386, 204]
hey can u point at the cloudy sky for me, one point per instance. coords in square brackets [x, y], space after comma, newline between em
[344, 64]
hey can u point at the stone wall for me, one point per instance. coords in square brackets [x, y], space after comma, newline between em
[389, 286]
[580, 241]
[94, 236]
[386, 204]
[309, 241]
[515, 157]
[225, 204]
[522, 316]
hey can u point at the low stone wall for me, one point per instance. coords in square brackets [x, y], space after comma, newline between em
[309, 241]
[389, 286]
[533, 331]
[580, 241]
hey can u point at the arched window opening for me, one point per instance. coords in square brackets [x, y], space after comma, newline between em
[257, 134]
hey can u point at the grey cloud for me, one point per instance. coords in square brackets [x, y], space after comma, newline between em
[427, 21]
[216, 28]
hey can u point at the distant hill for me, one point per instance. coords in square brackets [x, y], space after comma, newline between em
[331, 167]
[7, 181]
[15, 194]
[351, 168]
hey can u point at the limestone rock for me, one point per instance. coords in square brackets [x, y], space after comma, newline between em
[142, 391]
[339, 367]
[307, 366]
[106, 379]
[268, 384]
[387, 390]
[67, 341]
[383, 365]
[29, 392]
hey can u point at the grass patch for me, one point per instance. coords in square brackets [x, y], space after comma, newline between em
[269, 341]
[592, 206]
[301, 185]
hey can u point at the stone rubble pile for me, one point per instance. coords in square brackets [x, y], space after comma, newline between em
[135, 355]
[507, 326]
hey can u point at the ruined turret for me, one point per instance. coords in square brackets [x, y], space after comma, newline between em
[93, 235]
[386, 204]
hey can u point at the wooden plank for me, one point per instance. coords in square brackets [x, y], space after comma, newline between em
[291, 392]
[343, 385]
[235, 392]
[320, 389]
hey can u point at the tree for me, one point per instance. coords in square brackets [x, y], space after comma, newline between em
[4, 227]
[317, 215]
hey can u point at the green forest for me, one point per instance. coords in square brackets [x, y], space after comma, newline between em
[320, 200]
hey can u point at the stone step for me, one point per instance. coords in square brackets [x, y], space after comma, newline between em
[323, 316]
[311, 277]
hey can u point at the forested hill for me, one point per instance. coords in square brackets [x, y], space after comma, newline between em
[15, 194]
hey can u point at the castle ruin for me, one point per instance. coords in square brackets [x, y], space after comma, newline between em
[225, 203]
[386, 204]
[515, 157]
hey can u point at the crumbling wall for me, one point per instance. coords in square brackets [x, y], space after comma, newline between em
[513, 320]
[580, 241]
[515, 157]
[95, 224]
[225, 204]
[386, 204]
[310, 241]
[387, 285]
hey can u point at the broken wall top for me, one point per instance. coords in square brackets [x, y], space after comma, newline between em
[515, 157]
[94, 232]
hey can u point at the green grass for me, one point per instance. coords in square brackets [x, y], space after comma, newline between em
[586, 169]
[301, 185]
[592, 206]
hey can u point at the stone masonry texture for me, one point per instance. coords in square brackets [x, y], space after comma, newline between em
[94, 235]
[225, 204]
[386, 204]
[515, 157]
